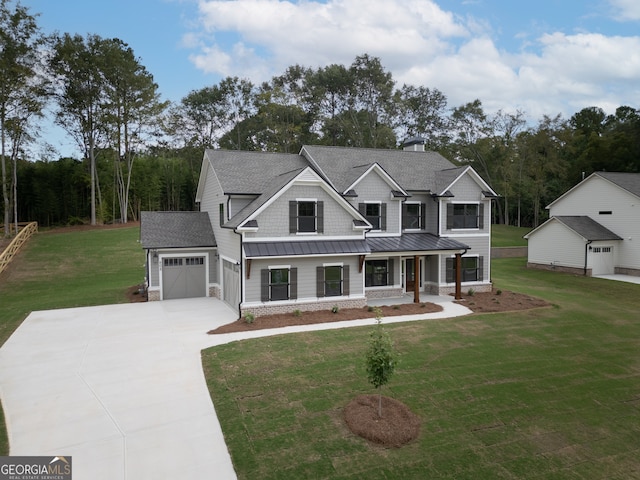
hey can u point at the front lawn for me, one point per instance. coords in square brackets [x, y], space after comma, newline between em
[547, 393]
[508, 236]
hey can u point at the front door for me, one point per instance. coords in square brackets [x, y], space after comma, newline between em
[409, 275]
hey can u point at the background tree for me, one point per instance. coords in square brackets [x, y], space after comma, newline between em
[22, 92]
[78, 65]
[132, 108]
[380, 358]
[422, 113]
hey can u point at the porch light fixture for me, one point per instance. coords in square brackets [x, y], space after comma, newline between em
[155, 256]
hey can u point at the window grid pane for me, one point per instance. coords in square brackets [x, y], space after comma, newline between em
[333, 281]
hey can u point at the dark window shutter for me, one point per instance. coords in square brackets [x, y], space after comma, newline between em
[320, 217]
[390, 272]
[293, 283]
[346, 280]
[362, 208]
[481, 216]
[449, 216]
[480, 268]
[320, 282]
[423, 215]
[221, 214]
[264, 284]
[450, 269]
[383, 216]
[293, 216]
[405, 221]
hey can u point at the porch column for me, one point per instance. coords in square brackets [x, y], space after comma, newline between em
[416, 278]
[458, 276]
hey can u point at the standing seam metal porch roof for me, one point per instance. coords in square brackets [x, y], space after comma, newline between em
[313, 247]
[414, 242]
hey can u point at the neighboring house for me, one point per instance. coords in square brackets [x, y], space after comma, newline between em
[336, 226]
[593, 229]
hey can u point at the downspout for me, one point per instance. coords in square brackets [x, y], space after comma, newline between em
[586, 254]
[241, 274]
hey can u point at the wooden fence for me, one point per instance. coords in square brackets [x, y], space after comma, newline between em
[24, 233]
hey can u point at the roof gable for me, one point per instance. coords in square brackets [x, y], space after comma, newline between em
[377, 169]
[307, 175]
[629, 182]
[446, 179]
[582, 225]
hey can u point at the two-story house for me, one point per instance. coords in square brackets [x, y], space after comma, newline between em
[593, 229]
[334, 226]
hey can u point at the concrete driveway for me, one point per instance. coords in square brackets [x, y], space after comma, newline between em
[120, 388]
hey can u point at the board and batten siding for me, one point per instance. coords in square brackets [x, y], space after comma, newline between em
[372, 188]
[556, 244]
[598, 195]
[306, 276]
[274, 220]
[227, 241]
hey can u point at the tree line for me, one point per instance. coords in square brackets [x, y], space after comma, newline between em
[138, 152]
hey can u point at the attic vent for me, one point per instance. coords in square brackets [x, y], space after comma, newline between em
[414, 144]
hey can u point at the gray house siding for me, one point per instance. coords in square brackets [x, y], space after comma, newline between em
[480, 247]
[306, 290]
[274, 220]
[228, 242]
[373, 188]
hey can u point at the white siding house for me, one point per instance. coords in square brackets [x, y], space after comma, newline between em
[593, 229]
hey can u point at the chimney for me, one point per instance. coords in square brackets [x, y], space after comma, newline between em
[413, 144]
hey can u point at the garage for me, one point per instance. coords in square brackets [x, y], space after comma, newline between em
[184, 277]
[181, 255]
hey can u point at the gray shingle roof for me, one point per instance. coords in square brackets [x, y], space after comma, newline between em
[313, 247]
[628, 181]
[587, 228]
[414, 242]
[176, 230]
[251, 172]
[411, 170]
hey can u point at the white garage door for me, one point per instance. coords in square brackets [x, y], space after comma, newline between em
[602, 261]
[184, 277]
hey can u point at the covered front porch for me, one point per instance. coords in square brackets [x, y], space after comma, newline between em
[419, 260]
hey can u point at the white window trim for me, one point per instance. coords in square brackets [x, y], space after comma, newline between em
[412, 202]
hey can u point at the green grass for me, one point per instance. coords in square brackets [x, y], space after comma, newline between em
[547, 393]
[71, 269]
[508, 236]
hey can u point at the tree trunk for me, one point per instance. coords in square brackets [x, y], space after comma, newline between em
[5, 193]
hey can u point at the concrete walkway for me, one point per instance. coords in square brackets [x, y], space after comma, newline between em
[620, 278]
[120, 388]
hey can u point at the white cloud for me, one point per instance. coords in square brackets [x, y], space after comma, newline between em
[421, 44]
[626, 9]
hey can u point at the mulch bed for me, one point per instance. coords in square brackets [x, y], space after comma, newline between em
[324, 316]
[500, 301]
[397, 426]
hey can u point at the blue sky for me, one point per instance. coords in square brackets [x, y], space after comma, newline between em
[543, 57]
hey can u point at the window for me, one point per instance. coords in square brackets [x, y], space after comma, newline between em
[172, 262]
[472, 269]
[375, 213]
[194, 261]
[378, 273]
[279, 283]
[465, 215]
[306, 216]
[332, 280]
[413, 216]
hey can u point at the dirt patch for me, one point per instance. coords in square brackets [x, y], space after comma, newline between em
[136, 293]
[325, 316]
[500, 301]
[397, 426]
